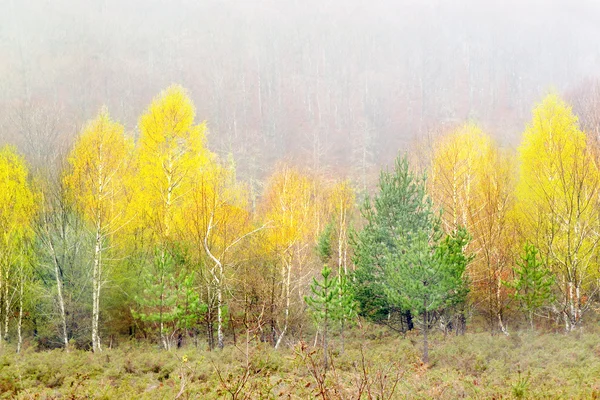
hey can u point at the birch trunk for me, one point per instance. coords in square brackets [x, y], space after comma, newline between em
[61, 305]
[287, 305]
[96, 291]
[6, 307]
[59, 283]
[20, 322]
[1, 287]
[498, 311]
[217, 273]
[220, 336]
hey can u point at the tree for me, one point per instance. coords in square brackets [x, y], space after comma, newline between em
[386, 215]
[427, 276]
[219, 222]
[99, 162]
[532, 283]
[170, 152]
[291, 211]
[472, 183]
[169, 155]
[557, 197]
[168, 302]
[324, 303]
[342, 308]
[18, 209]
[422, 269]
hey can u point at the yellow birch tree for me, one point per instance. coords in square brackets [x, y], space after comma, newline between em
[17, 213]
[98, 162]
[557, 207]
[471, 181]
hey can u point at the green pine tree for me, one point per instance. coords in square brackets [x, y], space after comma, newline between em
[324, 305]
[532, 284]
[345, 310]
[403, 245]
[394, 210]
[169, 302]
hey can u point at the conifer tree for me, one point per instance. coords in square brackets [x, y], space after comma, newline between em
[532, 284]
[422, 269]
[324, 304]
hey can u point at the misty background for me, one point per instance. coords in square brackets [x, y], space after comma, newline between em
[337, 85]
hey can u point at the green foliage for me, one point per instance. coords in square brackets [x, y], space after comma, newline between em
[324, 243]
[348, 307]
[533, 282]
[169, 300]
[324, 302]
[402, 245]
[423, 271]
[426, 276]
[400, 209]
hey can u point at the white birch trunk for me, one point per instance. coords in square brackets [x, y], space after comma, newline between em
[61, 306]
[220, 336]
[20, 322]
[1, 287]
[96, 291]
[6, 307]
[287, 305]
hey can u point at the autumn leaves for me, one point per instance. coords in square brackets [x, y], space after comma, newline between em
[546, 195]
[180, 210]
[179, 247]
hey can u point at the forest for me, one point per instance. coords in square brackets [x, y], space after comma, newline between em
[151, 238]
[299, 199]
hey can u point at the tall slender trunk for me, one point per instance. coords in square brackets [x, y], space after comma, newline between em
[325, 339]
[164, 338]
[6, 307]
[61, 304]
[272, 311]
[531, 320]
[571, 306]
[20, 322]
[59, 283]
[498, 310]
[577, 303]
[287, 305]
[217, 275]
[220, 336]
[425, 333]
[1, 298]
[96, 290]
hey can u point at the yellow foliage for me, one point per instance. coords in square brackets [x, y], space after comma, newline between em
[553, 157]
[289, 208]
[99, 162]
[217, 209]
[459, 162]
[558, 197]
[17, 200]
[472, 181]
[170, 154]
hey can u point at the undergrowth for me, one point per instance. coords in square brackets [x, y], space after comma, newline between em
[476, 365]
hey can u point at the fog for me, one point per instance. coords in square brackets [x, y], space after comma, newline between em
[334, 84]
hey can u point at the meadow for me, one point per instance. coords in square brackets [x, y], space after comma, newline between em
[376, 364]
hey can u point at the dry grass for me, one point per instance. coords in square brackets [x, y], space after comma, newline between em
[379, 364]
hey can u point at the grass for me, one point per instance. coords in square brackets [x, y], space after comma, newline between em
[379, 364]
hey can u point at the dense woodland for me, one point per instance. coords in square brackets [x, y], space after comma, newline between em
[148, 235]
